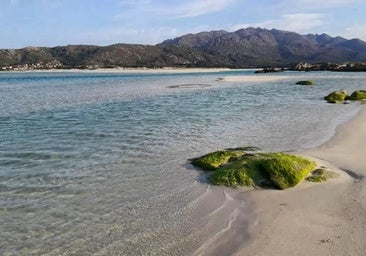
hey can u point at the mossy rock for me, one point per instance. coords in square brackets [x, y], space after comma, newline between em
[216, 159]
[306, 82]
[336, 97]
[233, 174]
[321, 175]
[357, 95]
[260, 169]
[287, 170]
[245, 171]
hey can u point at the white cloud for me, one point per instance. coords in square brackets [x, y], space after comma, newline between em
[127, 35]
[170, 10]
[356, 31]
[198, 8]
[134, 35]
[297, 22]
[324, 3]
[308, 5]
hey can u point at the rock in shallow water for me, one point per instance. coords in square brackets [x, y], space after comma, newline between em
[239, 168]
[357, 95]
[336, 96]
[307, 82]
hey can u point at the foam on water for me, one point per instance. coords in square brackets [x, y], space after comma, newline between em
[97, 163]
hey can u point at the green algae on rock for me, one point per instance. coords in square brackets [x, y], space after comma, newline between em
[215, 159]
[237, 168]
[287, 170]
[321, 175]
[244, 171]
[357, 95]
[306, 82]
[336, 96]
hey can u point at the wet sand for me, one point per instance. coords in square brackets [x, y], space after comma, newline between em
[313, 218]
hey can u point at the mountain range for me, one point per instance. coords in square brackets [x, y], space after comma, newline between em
[244, 48]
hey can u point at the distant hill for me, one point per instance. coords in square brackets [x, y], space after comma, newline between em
[262, 47]
[250, 47]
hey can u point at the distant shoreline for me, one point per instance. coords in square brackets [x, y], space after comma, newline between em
[259, 71]
[129, 70]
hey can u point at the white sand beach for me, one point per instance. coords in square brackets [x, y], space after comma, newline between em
[165, 70]
[326, 218]
[318, 219]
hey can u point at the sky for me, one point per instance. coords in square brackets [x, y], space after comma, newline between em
[103, 22]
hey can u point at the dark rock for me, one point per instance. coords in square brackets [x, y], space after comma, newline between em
[305, 82]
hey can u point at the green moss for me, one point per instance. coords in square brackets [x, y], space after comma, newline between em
[260, 169]
[245, 171]
[336, 97]
[321, 175]
[306, 82]
[357, 95]
[287, 170]
[232, 176]
[216, 159]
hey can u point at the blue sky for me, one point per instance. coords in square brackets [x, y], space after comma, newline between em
[103, 22]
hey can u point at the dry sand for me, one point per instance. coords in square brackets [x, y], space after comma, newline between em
[313, 218]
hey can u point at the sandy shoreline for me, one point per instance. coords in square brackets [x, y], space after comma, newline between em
[312, 219]
[166, 70]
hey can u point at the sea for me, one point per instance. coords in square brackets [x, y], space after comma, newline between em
[98, 163]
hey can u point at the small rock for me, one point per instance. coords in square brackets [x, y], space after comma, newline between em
[307, 82]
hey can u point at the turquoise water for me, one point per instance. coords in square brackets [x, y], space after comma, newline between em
[97, 163]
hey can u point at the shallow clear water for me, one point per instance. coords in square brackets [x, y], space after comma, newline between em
[97, 163]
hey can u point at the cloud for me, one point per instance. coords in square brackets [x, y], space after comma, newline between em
[198, 8]
[308, 5]
[127, 35]
[133, 35]
[171, 10]
[356, 31]
[297, 22]
[324, 3]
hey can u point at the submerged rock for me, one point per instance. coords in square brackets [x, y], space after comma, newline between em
[306, 82]
[238, 168]
[336, 96]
